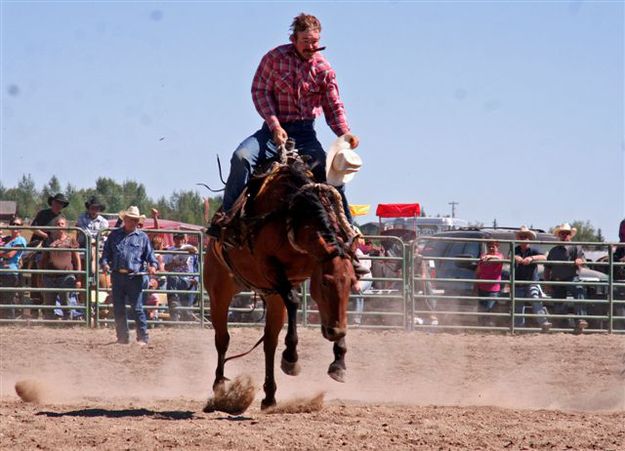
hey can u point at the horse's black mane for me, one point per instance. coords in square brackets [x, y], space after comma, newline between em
[300, 204]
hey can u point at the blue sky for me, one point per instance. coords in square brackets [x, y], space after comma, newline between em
[513, 109]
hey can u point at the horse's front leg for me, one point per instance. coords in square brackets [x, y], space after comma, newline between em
[273, 325]
[289, 362]
[337, 368]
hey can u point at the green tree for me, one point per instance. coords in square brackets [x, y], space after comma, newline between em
[188, 207]
[111, 194]
[51, 188]
[27, 197]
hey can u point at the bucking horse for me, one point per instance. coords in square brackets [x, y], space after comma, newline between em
[291, 228]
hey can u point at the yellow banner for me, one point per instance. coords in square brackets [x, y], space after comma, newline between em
[359, 210]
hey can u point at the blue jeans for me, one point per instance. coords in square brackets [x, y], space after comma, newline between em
[259, 148]
[575, 291]
[487, 305]
[365, 286]
[529, 291]
[49, 297]
[127, 289]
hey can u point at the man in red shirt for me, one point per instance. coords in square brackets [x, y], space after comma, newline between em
[293, 85]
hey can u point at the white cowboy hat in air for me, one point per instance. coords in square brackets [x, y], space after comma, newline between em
[342, 162]
[132, 212]
[524, 231]
[566, 227]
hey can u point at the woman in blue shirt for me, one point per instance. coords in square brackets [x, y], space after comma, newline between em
[10, 262]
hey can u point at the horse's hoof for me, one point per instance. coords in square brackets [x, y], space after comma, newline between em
[209, 407]
[290, 368]
[337, 373]
[265, 404]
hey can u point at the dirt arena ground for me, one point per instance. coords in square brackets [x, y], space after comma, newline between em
[404, 391]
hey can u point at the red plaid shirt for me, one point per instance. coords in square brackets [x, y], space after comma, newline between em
[287, 88]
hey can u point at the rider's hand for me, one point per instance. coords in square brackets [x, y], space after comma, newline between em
[279, 136]
[151, 270]
[352, 140]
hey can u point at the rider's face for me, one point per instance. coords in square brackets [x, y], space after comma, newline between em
[305, 43]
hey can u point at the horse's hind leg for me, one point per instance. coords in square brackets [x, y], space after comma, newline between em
[221, 289]
[273, 325]
[289, 363]
[337, 368]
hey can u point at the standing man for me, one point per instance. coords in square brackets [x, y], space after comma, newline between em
[564, 272]
[293, 84]
[45, 217]
[618, 275]
[526, 270]
[91, 221]
[128, 254]
[181, 263]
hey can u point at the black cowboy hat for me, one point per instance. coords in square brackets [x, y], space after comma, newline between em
[59, 197]
[94, 201]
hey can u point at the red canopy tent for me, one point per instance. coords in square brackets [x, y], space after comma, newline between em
[398, 210]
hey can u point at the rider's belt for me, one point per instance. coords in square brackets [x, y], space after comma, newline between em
[123, 271]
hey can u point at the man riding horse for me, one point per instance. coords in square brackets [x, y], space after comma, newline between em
[282, 222]
[292, 85]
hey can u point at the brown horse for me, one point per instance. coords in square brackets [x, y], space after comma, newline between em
[294, 229]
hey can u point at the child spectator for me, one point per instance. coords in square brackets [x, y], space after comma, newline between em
[489, 268]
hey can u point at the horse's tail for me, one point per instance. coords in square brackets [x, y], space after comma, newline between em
[232, 357]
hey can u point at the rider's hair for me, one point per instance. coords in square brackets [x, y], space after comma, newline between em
[304, 22]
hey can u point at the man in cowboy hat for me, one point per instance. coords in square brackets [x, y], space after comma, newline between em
[45, 217]
[293, 84]
[127, 254]
[526, 272]
[91, 221]
[568, 259]
[618, 275]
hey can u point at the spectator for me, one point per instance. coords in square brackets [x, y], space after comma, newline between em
[619, 276]
[10, 260]
[91, 221]
[566, 272]
[127, 254]
[45, 217]
[62, 260]
[183, 263]
[526, 270]
[363, 285]
[293, 84]
[489, 268]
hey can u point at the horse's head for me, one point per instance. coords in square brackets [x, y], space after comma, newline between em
[330, 286]
[318, 227]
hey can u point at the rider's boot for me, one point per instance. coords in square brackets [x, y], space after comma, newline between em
[220, 230]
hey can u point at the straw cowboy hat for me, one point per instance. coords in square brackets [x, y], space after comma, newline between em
[93, 201]
[132, 212]
[60, 197]
[566, 227]
[342, 162]
[524, 232]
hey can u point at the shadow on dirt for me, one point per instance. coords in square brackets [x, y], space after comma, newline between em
[108, 413]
